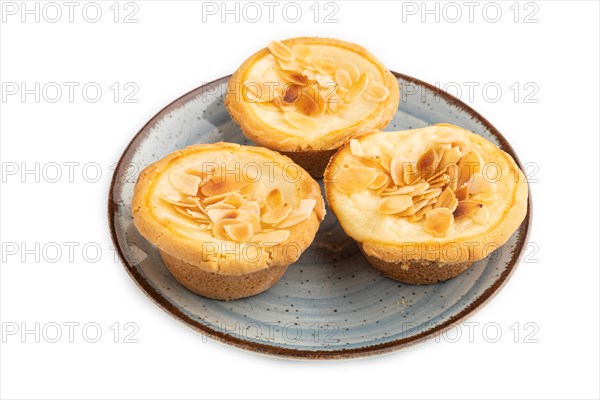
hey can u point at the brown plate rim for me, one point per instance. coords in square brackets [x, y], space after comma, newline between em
[169, 308]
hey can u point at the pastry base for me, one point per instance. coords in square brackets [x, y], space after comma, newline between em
[417, 272]
[220, 286]
[313, 161]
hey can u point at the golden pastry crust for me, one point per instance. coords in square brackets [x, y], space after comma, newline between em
[274, 138]
[218, 259]
[457, 251]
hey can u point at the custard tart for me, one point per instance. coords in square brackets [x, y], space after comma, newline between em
[227, 219]
[305, 97]
[424, 204]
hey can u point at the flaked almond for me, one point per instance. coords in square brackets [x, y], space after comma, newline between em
[468, 165]
[219, 205]
[445, 199]
[352, 70]
[239, 232]
[178, 202]
[310, 74]
[286, 65]
[400, 190]
[218, 228]
[185, 183]
[394, 204]
[376, 92]
[300, 121]
[466, 208]
[438, 221]
[343, 79]
[251, 206]
[484, 197]
[233, 198]
[325, 81]
[302, 52]
[418, 215]
[420, 188]
[250, 217]
[306, 206]
[291, 94]
[295, 77]
[272, 238]
[214, 199]
[453, 155]
[294, 218]
[220, 213]
[354, 179]
[462, 193]
[452, 171]
[277, 214]
[310, 104]
[381, 181]
[274, 198]
[481, 216]
[357, 88]
[324, 66]
[281, 51]
[218, 185]
[478, 184]
[431, 193]
[428, 163]
[400, 171]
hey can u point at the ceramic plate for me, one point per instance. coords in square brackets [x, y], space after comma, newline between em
[331, 303]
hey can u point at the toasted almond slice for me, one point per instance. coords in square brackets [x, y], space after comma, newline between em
[418, 215]
[352, 70]
[394, 204]
[452, 171]
[478, 184]
[397, 170]
[481, 216]
[276, 215]
[239, 232]
[310, 104]
[198, 204]
[343, 79]
[185, 183]
[220, 205]
[295, 217]
[281, 51]
[223, 184]
[358, 88]
[381, 181]
[466, 208]
[468, 165]
[400, 190]
[300, 121]
[410, 211]
[274, 198]
[376, 92]
[251, 206]
[385, 161]
[445, 199]
[324, 66]
[483, 197]
[302, 52]
[462, 193]
[428, 163]
[234, 198]
[420, 188]
[420, 204]
[410, 175]
[354, 179]
[213, 199]
[325, 81]
[178, 202]
[220, 213]
[438, 221]
[431, 193]
[218, 228]
[453, 155]
[356, 148]
[247, 215]
[291, 94]
[271, 238]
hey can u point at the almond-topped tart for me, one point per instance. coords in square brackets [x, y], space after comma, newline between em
[424, 204]
[305, 97]
[227, 219]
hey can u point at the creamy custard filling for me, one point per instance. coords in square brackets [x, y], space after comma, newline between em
[310, 90]
[409, 186]
[230, 196]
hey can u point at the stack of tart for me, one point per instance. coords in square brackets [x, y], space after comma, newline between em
[422, 205]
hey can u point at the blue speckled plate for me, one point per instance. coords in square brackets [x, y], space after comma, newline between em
[331, 303]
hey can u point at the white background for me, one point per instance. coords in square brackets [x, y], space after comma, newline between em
[553, 125]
